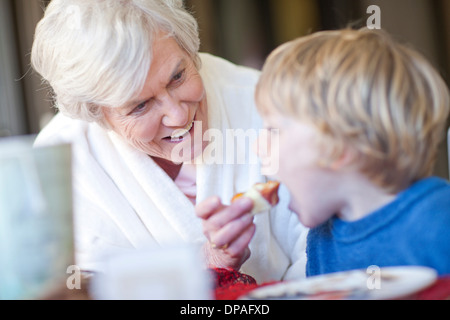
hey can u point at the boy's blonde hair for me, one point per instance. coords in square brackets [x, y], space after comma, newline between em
[365, 93]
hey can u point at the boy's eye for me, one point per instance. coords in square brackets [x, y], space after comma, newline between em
[273, 131]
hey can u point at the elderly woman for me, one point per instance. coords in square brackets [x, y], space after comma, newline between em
[138, 104]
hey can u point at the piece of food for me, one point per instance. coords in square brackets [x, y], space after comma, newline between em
[264, 196]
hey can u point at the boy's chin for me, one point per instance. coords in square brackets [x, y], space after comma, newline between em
[308, 223]
[294, 206]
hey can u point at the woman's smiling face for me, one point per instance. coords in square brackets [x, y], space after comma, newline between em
[162, 116]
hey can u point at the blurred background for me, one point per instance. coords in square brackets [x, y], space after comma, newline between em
[242, 31]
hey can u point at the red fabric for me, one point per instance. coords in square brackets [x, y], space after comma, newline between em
[227, 277]
[231, 284]
[438, 291]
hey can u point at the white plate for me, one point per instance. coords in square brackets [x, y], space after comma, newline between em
[371, 284]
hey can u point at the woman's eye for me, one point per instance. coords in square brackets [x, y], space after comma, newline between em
[139, 108]
[178, 76]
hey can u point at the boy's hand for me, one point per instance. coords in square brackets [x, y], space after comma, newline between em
[229, 230]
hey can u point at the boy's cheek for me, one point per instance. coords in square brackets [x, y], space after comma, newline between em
[270, 166]
[268, 151]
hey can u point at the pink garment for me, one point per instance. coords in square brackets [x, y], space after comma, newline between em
[186, 181]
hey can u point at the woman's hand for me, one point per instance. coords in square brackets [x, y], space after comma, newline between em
[229, 230]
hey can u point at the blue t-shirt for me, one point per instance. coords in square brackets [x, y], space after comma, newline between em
[414, 229]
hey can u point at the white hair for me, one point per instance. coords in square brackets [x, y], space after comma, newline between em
[98, 52]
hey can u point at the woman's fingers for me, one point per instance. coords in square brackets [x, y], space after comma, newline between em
[222, 217]
[208, 207]
[229, 230]
[240, 244]
[226, 235]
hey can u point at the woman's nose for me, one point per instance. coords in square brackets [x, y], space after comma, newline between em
[175, 113]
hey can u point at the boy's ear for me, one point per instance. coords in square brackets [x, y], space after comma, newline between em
[346, 159]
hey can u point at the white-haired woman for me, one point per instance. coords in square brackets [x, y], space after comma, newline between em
[138, 104]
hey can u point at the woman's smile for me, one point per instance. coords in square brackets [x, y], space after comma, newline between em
[179, 135]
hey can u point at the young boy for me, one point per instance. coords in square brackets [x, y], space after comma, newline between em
[360, 119]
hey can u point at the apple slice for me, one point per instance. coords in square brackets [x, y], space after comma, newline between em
[264, 196]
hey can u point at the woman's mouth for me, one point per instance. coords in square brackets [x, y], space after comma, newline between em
[179, 135]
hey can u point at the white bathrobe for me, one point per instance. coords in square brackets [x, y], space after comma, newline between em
[123, 200]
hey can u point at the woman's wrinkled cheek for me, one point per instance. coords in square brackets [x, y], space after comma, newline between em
[136, 136]
[128, 130]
